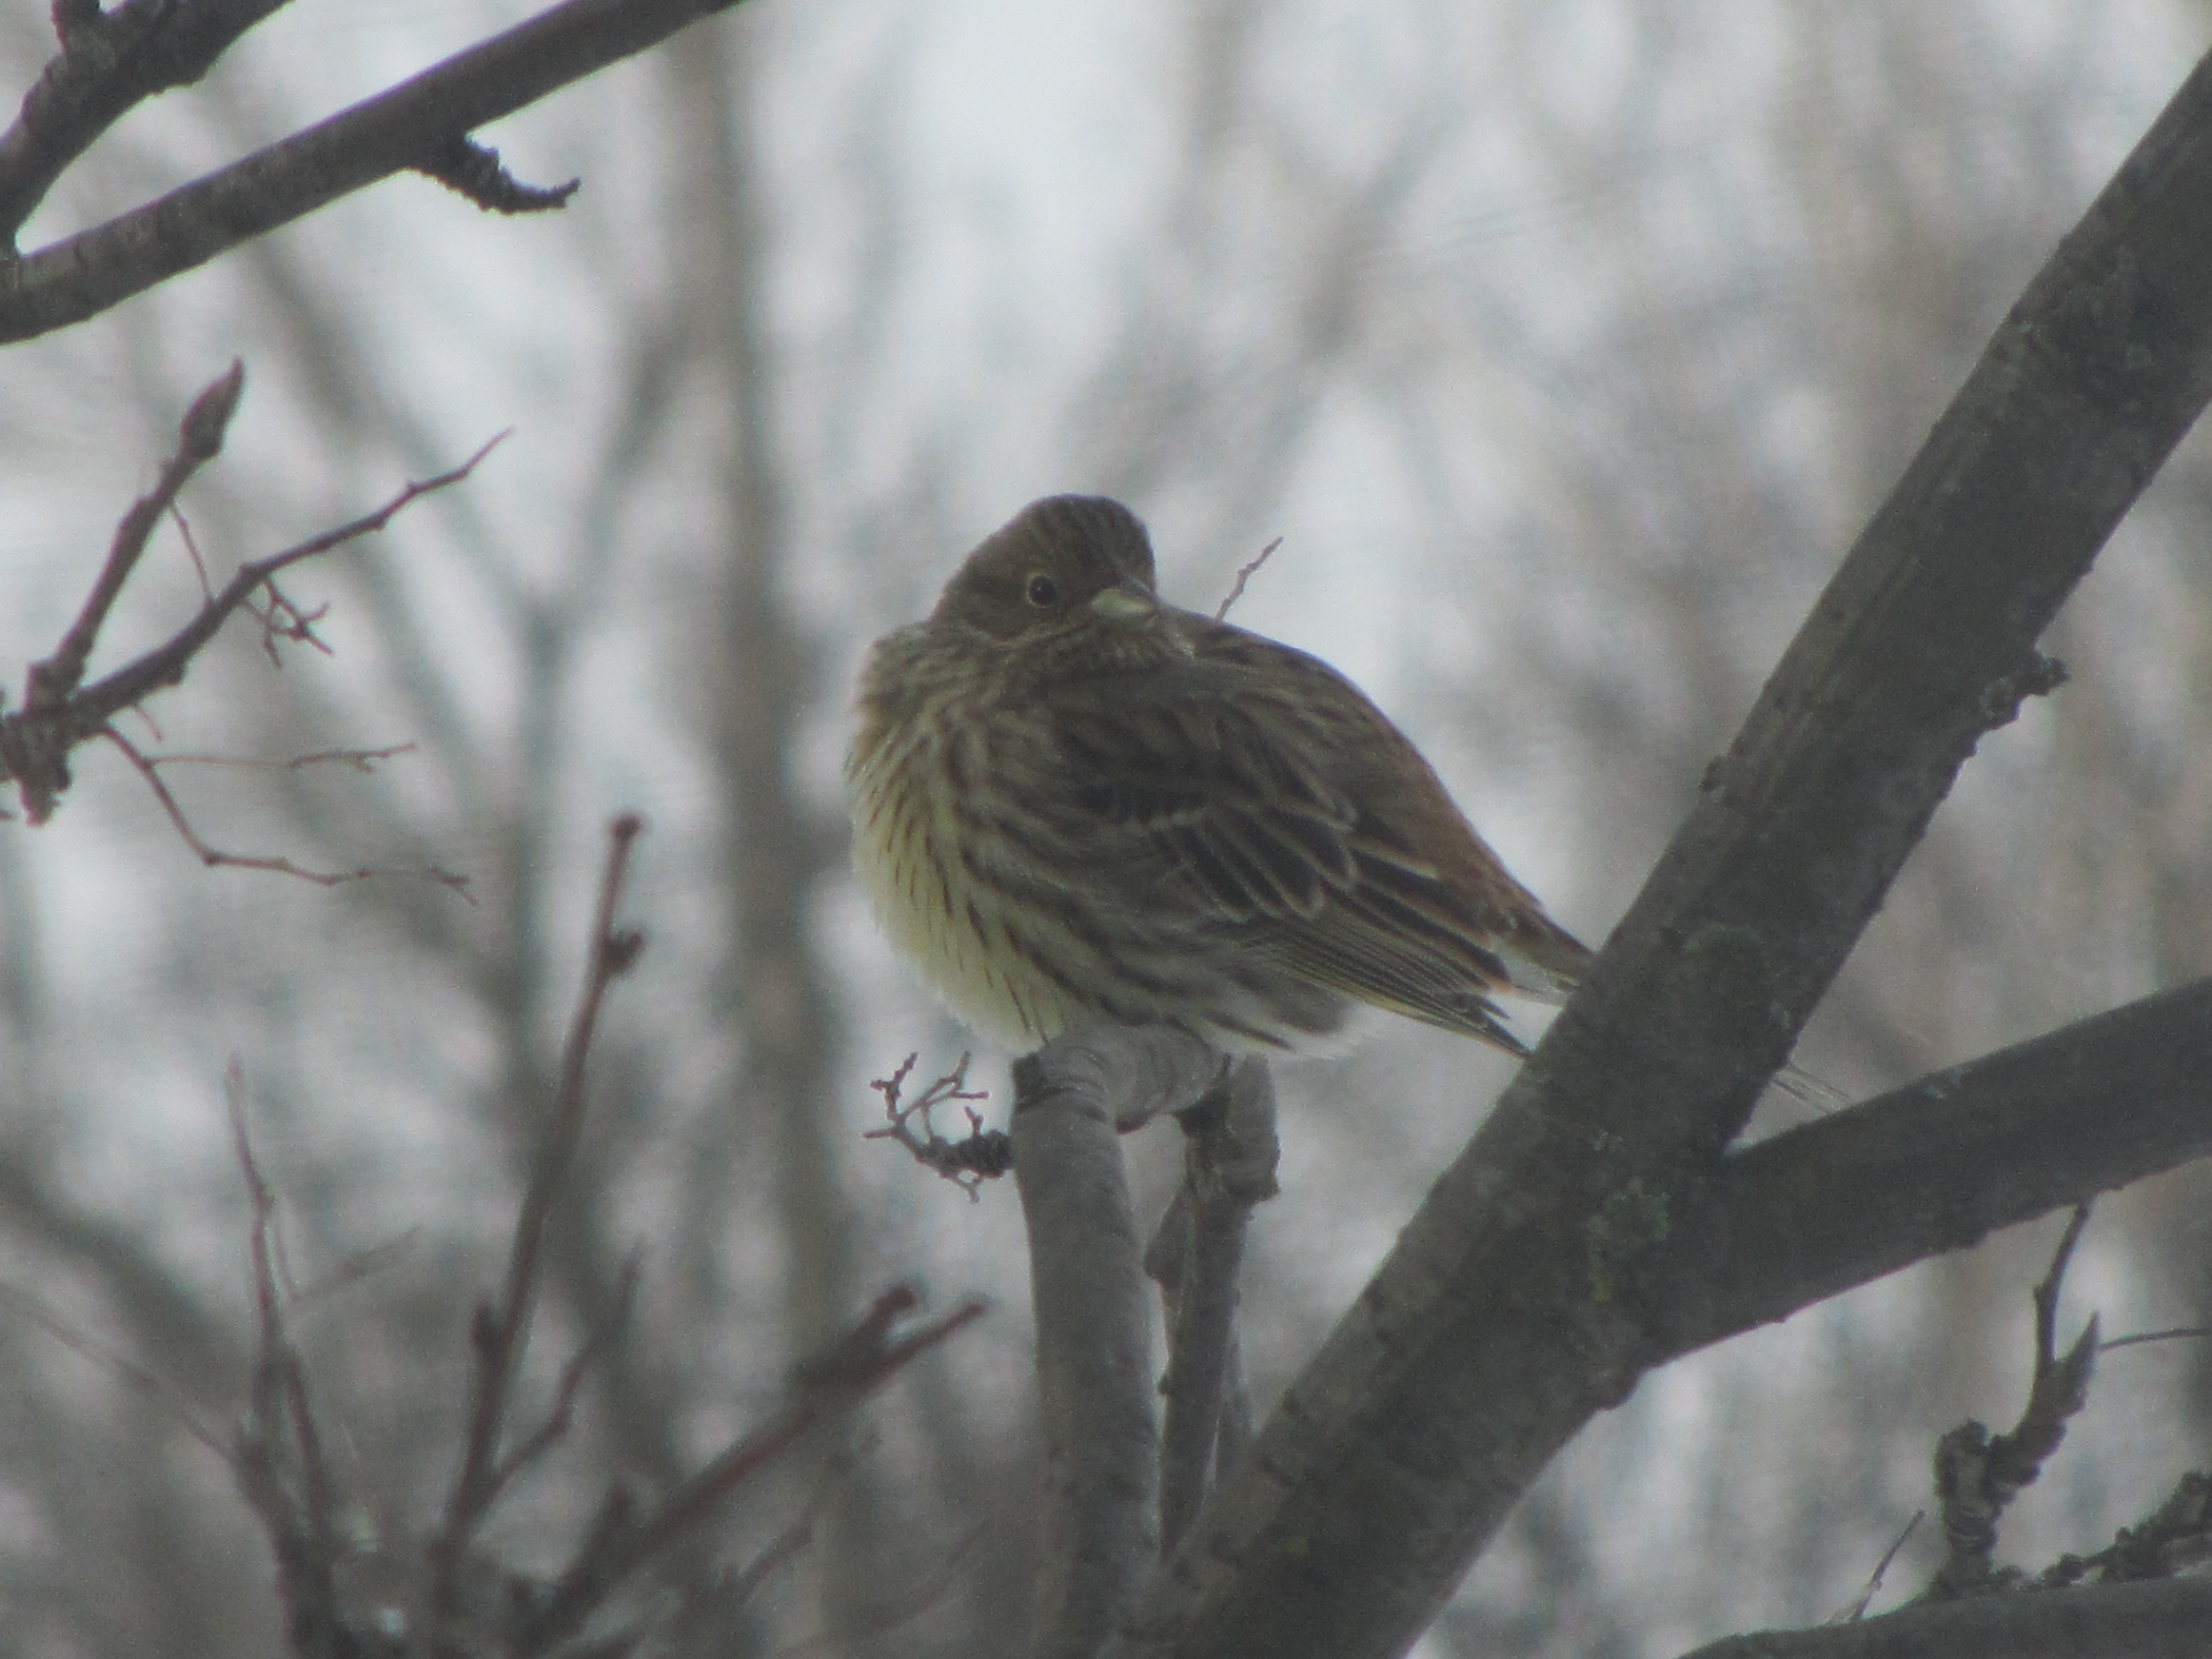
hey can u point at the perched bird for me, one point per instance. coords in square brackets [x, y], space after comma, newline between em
[1074, 802]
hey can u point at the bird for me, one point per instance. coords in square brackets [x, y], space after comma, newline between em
[1076, 803]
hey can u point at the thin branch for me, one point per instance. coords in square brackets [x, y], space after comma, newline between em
[1244, 573]
[619, 1543]
[1857, 1609]
[2140, 1621]
[502, 1330]
[34, 745]
[141, 1379]
[110, 62]
[1977, 1477]
[360, 760]
[216, 859]
[597, 1342]
[60, 713]
[2137, 1337]
[408, 128]
[983, 1154]
[200, 440]
[280, 1463]
[164, 665]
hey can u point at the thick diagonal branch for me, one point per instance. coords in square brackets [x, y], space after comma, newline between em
[1506, 1315]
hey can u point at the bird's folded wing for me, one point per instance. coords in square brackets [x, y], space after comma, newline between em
[1249, 797]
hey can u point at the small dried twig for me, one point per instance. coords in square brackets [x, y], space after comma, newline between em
[215, 858]
[2137, 1338]
[984, 1154]
[1856, 1611]
[1244, 573]
[502, 1329]
[360, 760]
[1977, 1475]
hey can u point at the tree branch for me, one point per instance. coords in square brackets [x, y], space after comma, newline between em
[2163, 1620]
[1937, 1165]
[502, 1329]
[1230, 1154]
[1502, 1322]
[1093, 1317]
[109, 62]
[413, 125]
[59, 712]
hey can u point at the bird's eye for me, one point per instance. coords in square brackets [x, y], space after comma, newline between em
[1044, 592]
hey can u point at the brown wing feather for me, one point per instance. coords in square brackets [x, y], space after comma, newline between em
[1317, 834]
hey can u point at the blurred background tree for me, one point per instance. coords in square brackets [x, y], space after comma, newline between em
[1565, 345]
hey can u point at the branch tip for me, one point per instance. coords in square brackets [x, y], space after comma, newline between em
[475, 171]
[208, 418]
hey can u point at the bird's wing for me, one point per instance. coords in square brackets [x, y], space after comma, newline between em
[1310, 828]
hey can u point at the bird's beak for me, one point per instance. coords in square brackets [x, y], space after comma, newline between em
[1127, 598]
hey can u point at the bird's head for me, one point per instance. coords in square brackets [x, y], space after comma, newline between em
[1063, 561]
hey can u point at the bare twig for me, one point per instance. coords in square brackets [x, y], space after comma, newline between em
[164, 665]
[1244, 573]
[33, 745]
[2135, 1338]
[200, 440]
[280, 1462]
[395, 131]
[968, 1162]
[1977, 1476]
[110, 62]
[214, 858]
[362, 1264]
[360, 760]
[599, 1340]
[502, 1329]
[1857, 1609]
[60, 713]
[619, 1544]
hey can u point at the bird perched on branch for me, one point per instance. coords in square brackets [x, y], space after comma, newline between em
[1074, 802]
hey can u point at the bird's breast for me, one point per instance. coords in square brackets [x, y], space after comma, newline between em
[914, 782]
